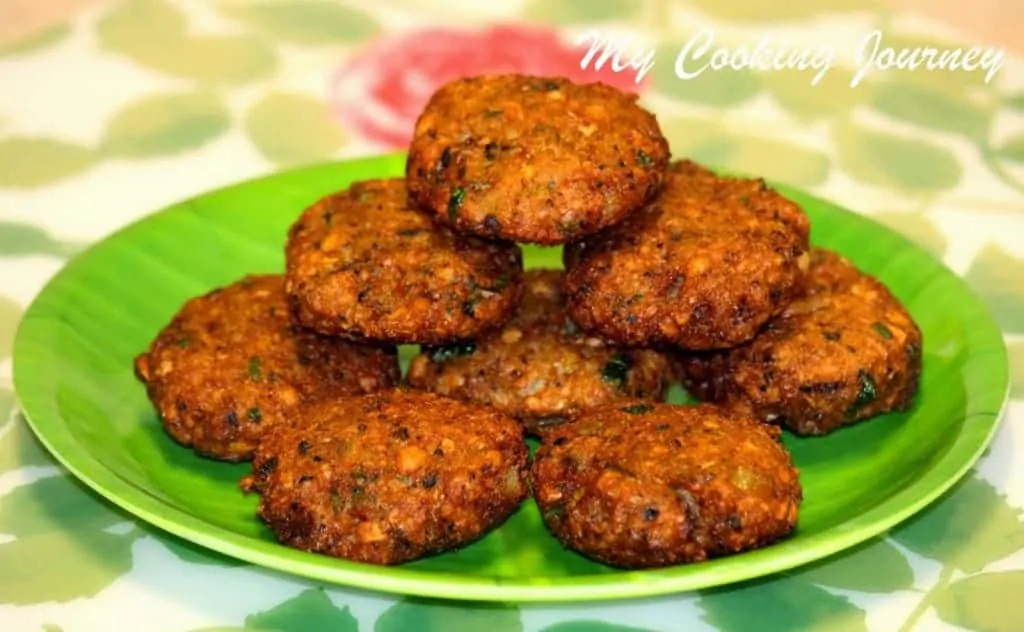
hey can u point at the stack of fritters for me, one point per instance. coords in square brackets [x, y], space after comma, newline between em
[669, 270]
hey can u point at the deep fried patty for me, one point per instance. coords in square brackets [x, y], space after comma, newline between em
[650, 485]
[846, 352]
[361, 263]
[539, 367]
[703, 266]
[230, 365]
[389, 477]
[534, 159]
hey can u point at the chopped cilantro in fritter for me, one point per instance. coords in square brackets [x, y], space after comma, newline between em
[443, 354]
[455, 202]
[254, 369]
[616, 370]
[867, 393]
[638, 409]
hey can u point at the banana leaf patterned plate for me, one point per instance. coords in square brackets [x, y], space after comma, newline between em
[73, 375]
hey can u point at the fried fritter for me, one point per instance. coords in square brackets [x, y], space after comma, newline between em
[231, 364]
[539, 368]
[703, 266]
[389, 477]
[846, 352]
[534, 159]
[649, 485]
[365, 265]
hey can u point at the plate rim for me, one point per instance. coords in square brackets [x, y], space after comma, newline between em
[398, 580]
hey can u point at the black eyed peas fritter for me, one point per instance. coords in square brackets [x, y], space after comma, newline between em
[648, 485]
[703, 266]
[534, 159]
[231, 364]
[365, 265]
[846, 352]
[389, 477]
[540, 368]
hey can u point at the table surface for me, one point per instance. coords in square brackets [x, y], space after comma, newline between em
[111, 110]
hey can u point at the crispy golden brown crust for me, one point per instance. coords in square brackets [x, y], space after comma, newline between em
[389, 477]
[703, 266]
[363, 264]
[230, 365]
[652, 485]
[534, 159]
[539, 367]
[846, 352]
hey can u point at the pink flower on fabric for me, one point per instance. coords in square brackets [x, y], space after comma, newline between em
[21, 20]
[381, 90]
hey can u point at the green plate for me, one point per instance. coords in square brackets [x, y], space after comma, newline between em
[73, 374]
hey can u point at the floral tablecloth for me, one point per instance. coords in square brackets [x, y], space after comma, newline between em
[113, 109]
